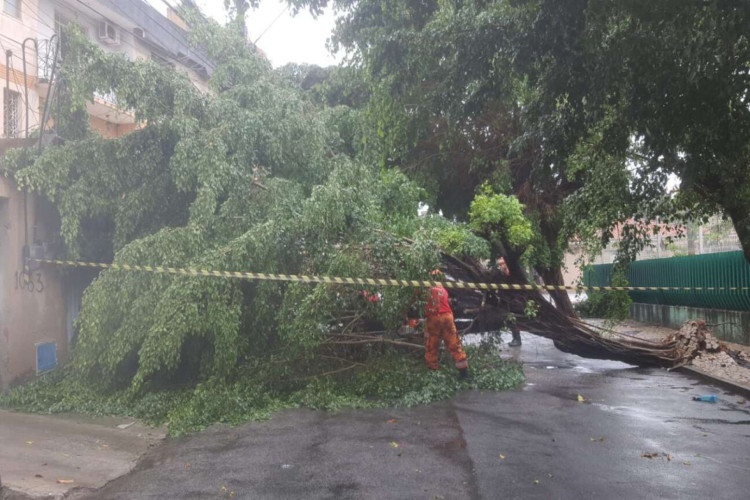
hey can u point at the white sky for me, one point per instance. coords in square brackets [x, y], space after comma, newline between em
[299, 38]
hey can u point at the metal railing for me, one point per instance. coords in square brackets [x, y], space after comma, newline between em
[46, 50]
[108, 97]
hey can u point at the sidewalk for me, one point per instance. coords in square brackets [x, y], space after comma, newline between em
[47, 456]
[718, 366]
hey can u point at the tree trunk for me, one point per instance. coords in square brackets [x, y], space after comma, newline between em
[489, 311]
[741, 219]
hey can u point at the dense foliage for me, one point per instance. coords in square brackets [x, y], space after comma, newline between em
[248, 176]
[255, 394]
[583, 109]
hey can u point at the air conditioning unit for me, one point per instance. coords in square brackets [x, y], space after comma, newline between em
[109, 33]
[140, 33]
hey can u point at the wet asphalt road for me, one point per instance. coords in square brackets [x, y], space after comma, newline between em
[554, 446]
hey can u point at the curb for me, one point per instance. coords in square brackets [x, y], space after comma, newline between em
[722, 382]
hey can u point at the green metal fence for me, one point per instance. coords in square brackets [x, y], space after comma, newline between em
[725, 270]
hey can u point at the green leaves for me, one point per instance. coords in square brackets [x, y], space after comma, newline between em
[253, 176]
[500, 218]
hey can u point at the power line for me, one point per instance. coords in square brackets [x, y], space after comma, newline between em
[21, 91]
[13, 54]
[168, 56]
[139, 2]
[271, 24]
[37, 16]
[93, 20]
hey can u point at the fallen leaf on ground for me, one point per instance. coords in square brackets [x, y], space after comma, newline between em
[29, 442]
[686, 463]
[231, 494]
[581, 399]
[651, 455]
[741, 402]
[536, 481]
[223, 488]
[392, 421]
[65, 481]
[600, 439]
[502, 457]
[394, 444]
[187, 465]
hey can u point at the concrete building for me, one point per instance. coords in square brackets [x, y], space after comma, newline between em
[37, 308]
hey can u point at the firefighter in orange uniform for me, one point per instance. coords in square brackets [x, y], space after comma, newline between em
[439, 326]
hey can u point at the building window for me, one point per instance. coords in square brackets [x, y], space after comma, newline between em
[11, 113]
[12, 7]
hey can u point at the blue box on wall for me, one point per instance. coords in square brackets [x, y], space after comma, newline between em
[46, 357]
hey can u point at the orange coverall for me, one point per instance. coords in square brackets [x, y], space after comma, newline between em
[438, 326]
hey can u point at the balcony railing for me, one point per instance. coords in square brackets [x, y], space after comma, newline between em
[108, 97]
[45, 58]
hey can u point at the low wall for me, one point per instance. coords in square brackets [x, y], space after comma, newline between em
[732, 326]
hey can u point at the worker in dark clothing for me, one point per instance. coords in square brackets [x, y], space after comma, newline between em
[439, 326]
[516, 342]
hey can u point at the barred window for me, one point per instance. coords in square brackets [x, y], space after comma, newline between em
[11, 113]
[12, 7]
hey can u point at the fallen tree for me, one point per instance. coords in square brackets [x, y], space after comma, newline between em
[254, 178]
[570, 334]
[496, 310]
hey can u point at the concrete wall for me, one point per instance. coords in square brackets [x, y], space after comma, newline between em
[571, 268]
[110, 130]
[33, 313]
[732, 326]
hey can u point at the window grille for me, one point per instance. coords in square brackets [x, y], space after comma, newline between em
[11, 113]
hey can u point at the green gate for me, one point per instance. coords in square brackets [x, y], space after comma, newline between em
[719, 270]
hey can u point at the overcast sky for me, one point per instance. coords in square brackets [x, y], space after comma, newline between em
[299, 38]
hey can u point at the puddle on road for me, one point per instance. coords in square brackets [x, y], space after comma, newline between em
[546, 365]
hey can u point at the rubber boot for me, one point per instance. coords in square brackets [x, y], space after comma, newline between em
[516, 342]
[463, 373]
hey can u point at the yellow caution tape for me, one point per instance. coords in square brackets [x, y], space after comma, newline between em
[371, 281]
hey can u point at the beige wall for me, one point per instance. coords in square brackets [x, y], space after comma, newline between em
[110, 130]
[571, 267]
[26, 317]
[41, 315]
